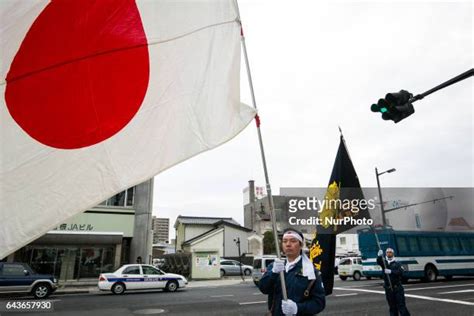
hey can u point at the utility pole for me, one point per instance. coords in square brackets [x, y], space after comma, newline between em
[237, 241]
[377, 174]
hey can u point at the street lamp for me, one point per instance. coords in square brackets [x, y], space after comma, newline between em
[377, 174]
[237, 241]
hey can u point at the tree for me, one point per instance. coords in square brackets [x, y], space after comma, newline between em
[269, 243]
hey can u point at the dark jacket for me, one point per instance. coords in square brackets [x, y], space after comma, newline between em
[395, 276]
[296, 284]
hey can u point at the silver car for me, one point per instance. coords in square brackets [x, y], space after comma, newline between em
[232, 267]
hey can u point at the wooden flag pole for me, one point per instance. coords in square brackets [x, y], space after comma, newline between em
[257, 119]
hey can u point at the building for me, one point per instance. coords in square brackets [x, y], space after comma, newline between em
[101, 239]
[257, 216]
[206, 240]
[257, 212]
[216, 233]
[160, 249]
[347, 244]
[161, 229]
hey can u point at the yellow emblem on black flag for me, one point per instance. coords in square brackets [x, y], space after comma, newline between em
[315, 251]
[330, 210]
[343, 186]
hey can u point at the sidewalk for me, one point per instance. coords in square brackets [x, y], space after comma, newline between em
[90, 285]
[77, 286]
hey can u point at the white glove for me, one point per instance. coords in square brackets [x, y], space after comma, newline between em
[380, 253]
[278, 266]
[289, 307]
[387, 271]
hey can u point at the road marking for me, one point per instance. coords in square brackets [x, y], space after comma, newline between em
[428, 298]
[460, 291]
[258, 293]
[349, 294]
[149, 311]
[437, 287]
[258, 302]
[363, 285]
[222, 295]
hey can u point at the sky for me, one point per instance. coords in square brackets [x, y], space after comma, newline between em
[317, 65]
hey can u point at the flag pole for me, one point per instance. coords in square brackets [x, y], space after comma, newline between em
[265, 170]
[383, 259]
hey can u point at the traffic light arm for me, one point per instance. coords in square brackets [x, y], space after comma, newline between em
[415, 204]
[398, 106]
[454, 80]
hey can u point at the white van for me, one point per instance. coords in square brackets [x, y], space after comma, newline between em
[260, 265]
[351, 267]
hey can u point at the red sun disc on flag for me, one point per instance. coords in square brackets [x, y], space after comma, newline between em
[80, 74]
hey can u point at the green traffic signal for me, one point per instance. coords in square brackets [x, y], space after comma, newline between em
[378, 108]
[395, 106]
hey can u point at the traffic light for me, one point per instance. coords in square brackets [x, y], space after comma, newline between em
[395, 106]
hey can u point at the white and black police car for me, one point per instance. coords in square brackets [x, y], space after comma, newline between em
[140, 277]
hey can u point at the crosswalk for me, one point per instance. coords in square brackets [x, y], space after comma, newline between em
[429, 293]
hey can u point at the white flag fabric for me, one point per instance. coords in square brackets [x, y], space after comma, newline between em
[98, 96]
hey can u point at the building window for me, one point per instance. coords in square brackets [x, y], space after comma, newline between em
[342, 240]
[68, 263]
[130, 196]
[94, 261]
[44, 260]
[123, 199]
[418, 221]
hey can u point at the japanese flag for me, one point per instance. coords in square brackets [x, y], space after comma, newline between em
[100, 95]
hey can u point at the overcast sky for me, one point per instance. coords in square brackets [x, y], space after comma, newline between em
[319, 65]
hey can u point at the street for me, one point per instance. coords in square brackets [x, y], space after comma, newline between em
[364, 297]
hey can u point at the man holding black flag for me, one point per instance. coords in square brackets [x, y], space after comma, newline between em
[393, 272]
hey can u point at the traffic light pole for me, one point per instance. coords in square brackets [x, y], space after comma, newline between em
[452, 81]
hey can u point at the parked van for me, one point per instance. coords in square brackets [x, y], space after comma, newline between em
[260, 265]
[351, 267]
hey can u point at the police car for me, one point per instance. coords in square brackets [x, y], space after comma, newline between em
[140, 277]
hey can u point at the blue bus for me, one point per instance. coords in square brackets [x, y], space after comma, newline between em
[424, 255]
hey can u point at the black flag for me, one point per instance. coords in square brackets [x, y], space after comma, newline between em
[343, 201]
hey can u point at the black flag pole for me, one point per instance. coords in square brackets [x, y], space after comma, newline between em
[265, 170]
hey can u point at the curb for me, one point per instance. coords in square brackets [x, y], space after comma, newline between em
[92, 288]
[78, 291]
